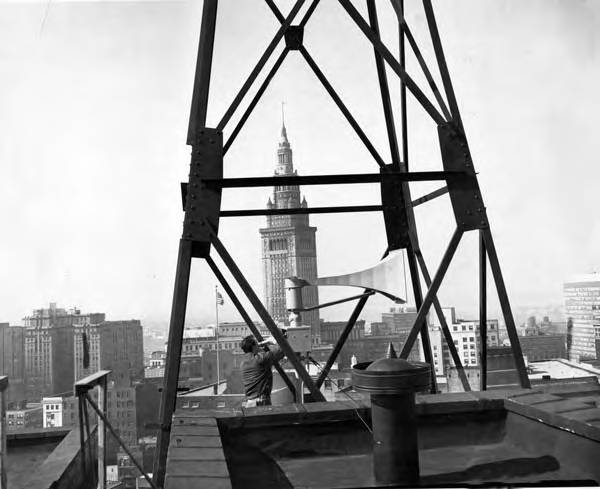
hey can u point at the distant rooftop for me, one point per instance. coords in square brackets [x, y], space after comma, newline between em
[584, 277]
[562, 369]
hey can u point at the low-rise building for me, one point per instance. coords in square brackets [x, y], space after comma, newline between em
[25, 418]
[52, 412]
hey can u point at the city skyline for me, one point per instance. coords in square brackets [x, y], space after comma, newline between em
[91, 181]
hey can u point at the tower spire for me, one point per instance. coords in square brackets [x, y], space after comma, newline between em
[283, 140]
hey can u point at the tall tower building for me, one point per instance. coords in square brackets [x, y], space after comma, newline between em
[289, 246]
[582, 305]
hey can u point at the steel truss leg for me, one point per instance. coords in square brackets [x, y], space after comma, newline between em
[506, 310]
[248, 320]
[184, 259]
[176, 325]
[447, 334]
[395, 153]
[483, 311]
[266, 317]
[441, 60]
[432, 291]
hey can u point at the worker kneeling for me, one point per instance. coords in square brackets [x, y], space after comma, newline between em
[256, 370]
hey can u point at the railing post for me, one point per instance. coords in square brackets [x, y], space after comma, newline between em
[102, 402]
[3, 387]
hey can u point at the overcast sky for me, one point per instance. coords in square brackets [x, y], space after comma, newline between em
[94, 105]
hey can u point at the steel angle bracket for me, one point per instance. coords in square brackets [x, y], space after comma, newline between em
[202, 203]
[463, 189]
[395, 215]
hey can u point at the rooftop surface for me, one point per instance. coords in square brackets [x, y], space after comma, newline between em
[549, 435]
[27, 449]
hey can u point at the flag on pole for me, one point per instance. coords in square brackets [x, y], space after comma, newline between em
[219, 299]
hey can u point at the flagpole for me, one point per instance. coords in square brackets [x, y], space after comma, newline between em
[217, 335]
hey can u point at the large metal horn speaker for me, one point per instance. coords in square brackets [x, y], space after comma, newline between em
[385, 277]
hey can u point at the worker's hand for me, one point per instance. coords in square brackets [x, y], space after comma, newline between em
[267, 341]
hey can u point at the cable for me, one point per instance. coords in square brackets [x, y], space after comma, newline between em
[318, 365]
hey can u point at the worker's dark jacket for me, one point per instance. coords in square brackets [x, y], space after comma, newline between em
[256, 372]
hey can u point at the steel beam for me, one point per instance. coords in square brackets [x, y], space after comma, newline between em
[266, 317]
[445, 329]
[301, 211]
[432, 291]
[483, 311]
[423, 325]
[203, 70]
[172, 363]
[255, 100]
[342, 339]
[384, 88]
[405, 31]
[389, 58]
[443, 67]
[402, 60]
[506, 310]
[342, 179]
[245, 316]
[430, 196]
[259, 65]
[338, 101]
[106, 422]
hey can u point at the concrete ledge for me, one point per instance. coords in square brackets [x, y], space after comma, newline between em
[560, 421]
[63, 467]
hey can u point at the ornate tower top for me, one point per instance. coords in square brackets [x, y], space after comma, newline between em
[285, 166]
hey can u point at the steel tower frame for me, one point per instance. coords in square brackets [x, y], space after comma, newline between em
[202, 195]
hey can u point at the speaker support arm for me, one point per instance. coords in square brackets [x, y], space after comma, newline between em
[342, 339]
